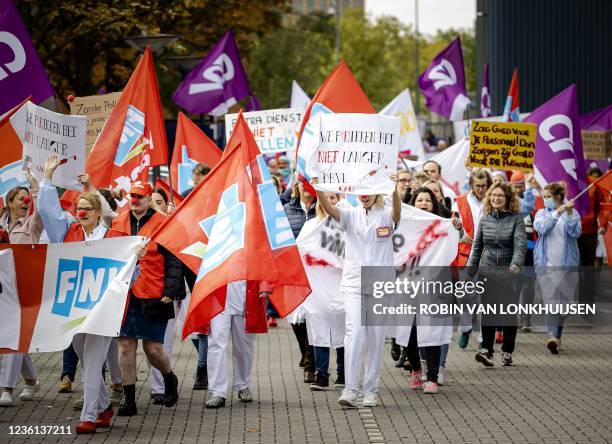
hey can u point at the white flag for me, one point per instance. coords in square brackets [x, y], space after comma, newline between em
[410, 139]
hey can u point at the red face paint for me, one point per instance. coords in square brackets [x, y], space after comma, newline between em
[27, 200]
[135, 201]
[81, 214]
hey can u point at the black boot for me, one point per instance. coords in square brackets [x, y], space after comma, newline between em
[171, 389]
[395, 350]
[128, 403]
[201, 379]
[403, 357]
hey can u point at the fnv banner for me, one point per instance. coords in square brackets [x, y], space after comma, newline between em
[275, 130]
[55, 291]
[44, 133]
[352, 153]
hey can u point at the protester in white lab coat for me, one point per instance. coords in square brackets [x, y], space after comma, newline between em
[324, 307]
[369, 231]
[425, 332]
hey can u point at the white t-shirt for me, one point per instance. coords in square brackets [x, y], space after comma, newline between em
[555, 242]
[368, 242]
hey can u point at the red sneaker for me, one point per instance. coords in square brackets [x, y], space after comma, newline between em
[499, 337]
[272, 322]
[104, 418]
[86, 428]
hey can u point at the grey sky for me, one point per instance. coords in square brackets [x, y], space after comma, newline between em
[433, 14]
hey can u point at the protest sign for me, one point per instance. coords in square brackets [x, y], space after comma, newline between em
[96, 109]
[506, 146]
[352, 153]
[275, 130]
[44, 133]
[597, 144]
[63, 289]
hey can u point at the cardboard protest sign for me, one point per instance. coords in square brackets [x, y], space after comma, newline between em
[274, 130]
[44, 133]
[96, 109]
[597, 144]
[352, 153]
[506, 146]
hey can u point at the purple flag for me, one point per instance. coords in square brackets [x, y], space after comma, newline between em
[598, 120]
[218, 82]
[558, 153]
[21, 71]
[443, 83]
[485, 98]
[253, 103]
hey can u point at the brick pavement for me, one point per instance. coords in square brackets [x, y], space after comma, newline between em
[544, 398]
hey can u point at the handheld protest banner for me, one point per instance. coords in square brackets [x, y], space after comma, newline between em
[505, 146]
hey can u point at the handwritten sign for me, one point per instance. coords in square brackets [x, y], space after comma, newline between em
[502, 146]
[96, 109]
[275, 130]
[597, 144]
[44, 133]
[353, 153]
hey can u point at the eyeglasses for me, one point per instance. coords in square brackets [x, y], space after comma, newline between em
[498, 196]
[84, 209]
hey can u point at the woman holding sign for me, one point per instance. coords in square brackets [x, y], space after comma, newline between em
[19, 227]
[91, 349]
[369, 231]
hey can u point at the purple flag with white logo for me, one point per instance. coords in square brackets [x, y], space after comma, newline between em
[253, 103]
[21, 72]
[443, 83]
[558, 153]
[485, 98]
[217, 83]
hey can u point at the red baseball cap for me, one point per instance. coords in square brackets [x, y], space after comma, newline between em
[141, 188]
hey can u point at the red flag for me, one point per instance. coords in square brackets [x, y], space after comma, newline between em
[134, 136]
[339, 93]
[511, 108]
[191, 147]
[232, 227]
[162, 184]
[10, 155]
[604, 183]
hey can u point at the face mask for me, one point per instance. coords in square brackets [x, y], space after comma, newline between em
[549, 203]
[284, 171]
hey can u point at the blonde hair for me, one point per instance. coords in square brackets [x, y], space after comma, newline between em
[93, 200]
[380, 200]
[320, 211]
[512, 202]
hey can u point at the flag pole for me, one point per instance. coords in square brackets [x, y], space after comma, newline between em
[171, 187]
[590, 186]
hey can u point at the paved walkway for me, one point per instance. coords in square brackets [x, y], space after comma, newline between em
[544, 398]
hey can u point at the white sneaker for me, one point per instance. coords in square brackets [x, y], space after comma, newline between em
[371, 399]
[6, 400]
[441, 376]
[348, 398]
[28, 392]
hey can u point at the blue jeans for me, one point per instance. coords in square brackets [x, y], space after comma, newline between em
[201, 345]
[70, 363]
[322, 361]
[555, 325]
[271, 311]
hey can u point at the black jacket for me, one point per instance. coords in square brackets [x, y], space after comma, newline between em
[296, 216]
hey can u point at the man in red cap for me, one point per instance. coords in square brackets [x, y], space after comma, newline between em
[150, 306]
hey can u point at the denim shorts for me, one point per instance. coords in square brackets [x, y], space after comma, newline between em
[136, 326]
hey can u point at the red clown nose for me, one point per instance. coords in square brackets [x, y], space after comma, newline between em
[81, 214]
[27, 200]
[135, 201]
